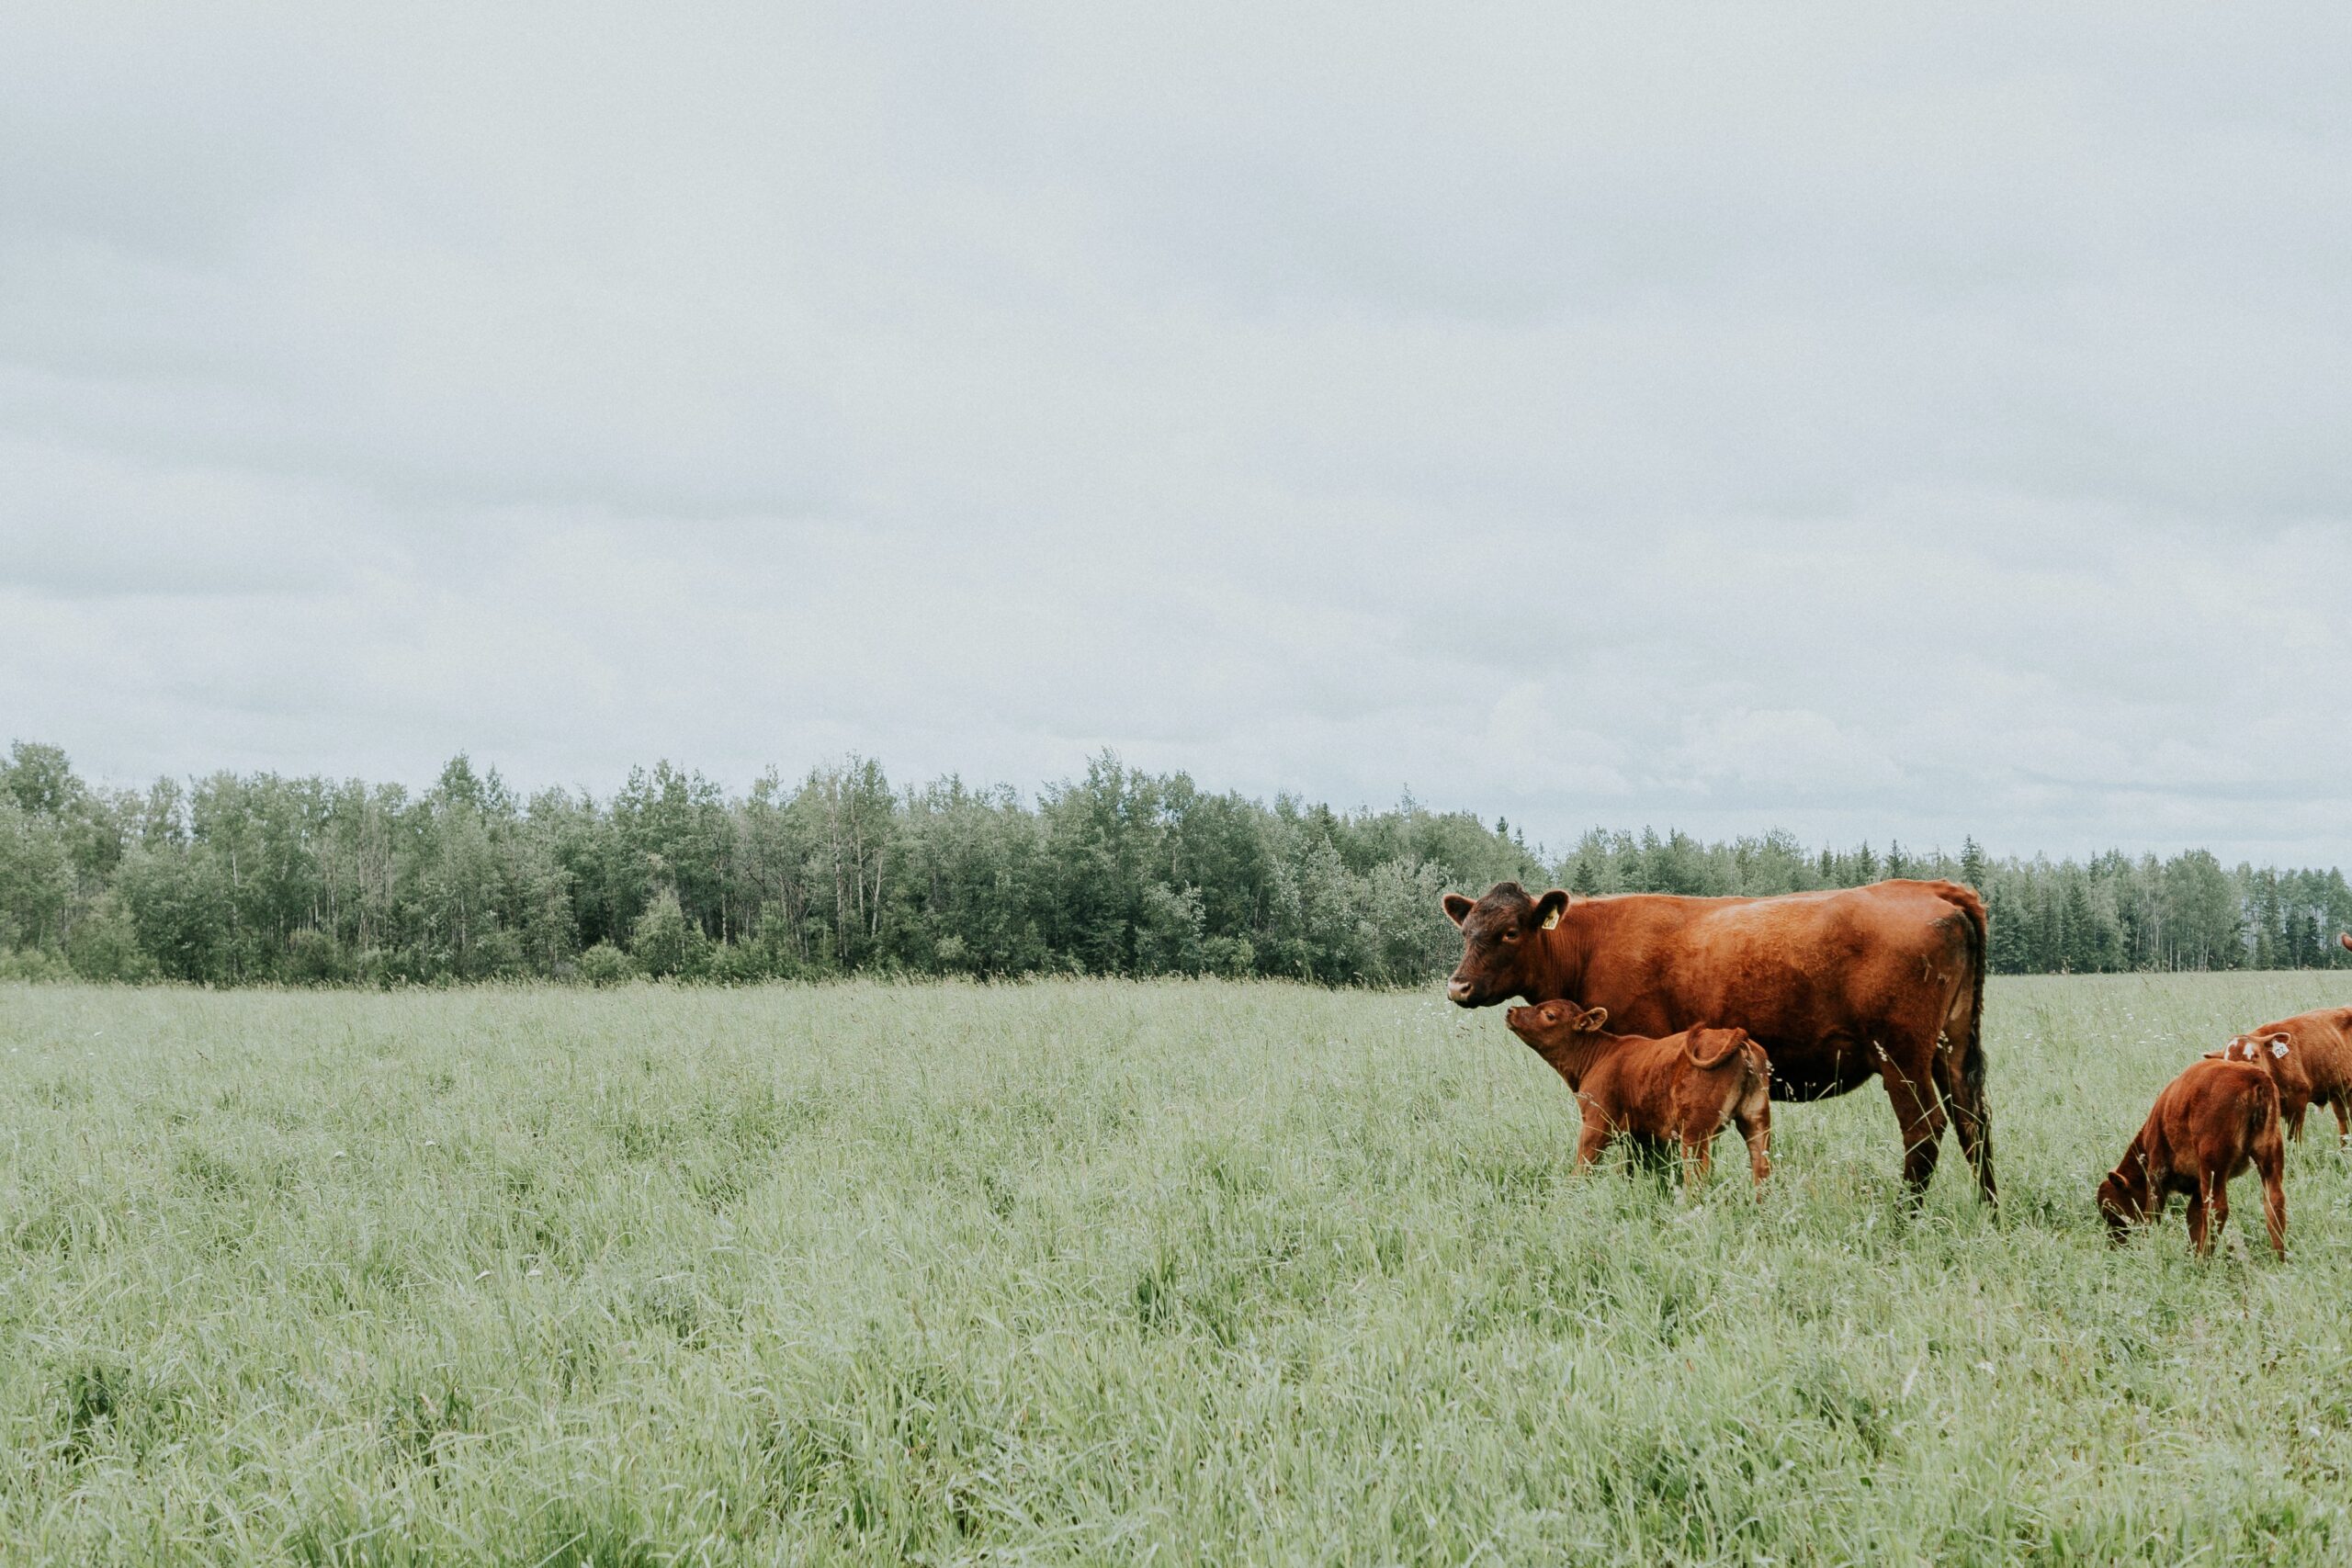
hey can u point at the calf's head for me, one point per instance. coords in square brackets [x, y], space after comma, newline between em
[2123, 1199]
[1502, 942]
[2260, 1049]
[1553, 1024]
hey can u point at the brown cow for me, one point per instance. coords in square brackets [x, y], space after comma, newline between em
[2309, 1056]
[1883, 982]
[2208, 1125]
[1687, 1087]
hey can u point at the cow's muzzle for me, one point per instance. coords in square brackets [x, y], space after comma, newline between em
[1460, 993]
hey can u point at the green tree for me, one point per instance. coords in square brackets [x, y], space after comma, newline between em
[665, 943]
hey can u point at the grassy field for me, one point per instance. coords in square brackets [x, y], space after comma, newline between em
[1106, 1272]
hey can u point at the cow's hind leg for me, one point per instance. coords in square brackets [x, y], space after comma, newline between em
[1918, 1112]
[1961, 1082]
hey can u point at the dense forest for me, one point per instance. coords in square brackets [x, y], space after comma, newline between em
[236, 879]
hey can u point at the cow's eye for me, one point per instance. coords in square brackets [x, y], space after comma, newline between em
[1510, 936]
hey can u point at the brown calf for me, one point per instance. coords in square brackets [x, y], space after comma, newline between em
[2206, 1126]
[1687, 1087]
[2315, 1068]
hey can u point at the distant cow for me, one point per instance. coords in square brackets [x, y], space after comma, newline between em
[1883, 982]
[2208, 1125]
[1687, 1087]
[2309, 1056]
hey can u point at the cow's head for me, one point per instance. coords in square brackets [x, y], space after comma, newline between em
[1555, 1022]
[1501, 935]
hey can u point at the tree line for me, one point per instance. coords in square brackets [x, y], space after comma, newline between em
[238, 879]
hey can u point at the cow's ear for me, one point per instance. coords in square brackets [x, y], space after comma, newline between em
[1548, 908]
[1457, 908]
[1594, 1019]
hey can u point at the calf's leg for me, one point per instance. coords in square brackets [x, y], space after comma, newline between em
[1697, 1159]
[2197, 1215]
[2270, 1159]
[1756, 1128]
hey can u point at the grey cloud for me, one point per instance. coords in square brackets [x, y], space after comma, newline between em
[1886, 425]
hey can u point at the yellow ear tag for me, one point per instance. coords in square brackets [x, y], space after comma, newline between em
[1551, 921]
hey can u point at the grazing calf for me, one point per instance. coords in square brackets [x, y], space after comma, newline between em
[1687, 1087]
[2208, 1125]
[2309, 1056]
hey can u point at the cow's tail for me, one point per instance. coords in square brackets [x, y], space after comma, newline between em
[1973, 1117]
[1971, 1065]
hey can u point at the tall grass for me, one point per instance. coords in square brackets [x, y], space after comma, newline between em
[1104, 1271]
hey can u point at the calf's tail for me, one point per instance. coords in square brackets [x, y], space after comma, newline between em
[1691, 1049]
[2262, 1133]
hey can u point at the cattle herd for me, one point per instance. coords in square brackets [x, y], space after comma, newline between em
[1714, 1006]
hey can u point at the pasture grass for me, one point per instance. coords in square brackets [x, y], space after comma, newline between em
[1090, 1272]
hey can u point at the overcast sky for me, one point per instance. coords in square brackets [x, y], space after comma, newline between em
[1872, 422]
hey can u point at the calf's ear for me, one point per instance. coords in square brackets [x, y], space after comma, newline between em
[1548, 908]
[1594, 1019]
[1457, 908]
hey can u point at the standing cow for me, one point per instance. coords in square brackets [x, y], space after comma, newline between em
[1883, 982]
